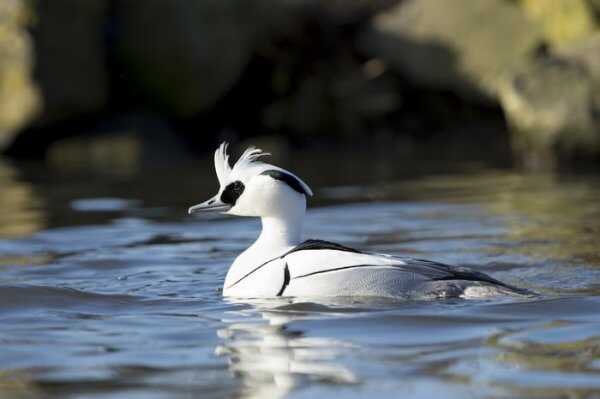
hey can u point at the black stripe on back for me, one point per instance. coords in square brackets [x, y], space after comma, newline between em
[337, 269]
[309, 245]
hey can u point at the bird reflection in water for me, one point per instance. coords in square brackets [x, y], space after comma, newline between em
[271, 357]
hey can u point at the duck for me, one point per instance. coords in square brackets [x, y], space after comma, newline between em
[281, 264]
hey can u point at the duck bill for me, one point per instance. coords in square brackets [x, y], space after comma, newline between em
[212, 205]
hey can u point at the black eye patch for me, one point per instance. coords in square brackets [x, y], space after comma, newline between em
[288, 179]
[232, 192]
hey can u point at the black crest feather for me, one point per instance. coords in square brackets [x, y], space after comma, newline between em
[288, 179]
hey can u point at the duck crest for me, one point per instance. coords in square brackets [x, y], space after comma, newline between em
[224, 169]
[222, 163]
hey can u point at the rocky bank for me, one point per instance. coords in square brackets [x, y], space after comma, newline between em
[305, 69]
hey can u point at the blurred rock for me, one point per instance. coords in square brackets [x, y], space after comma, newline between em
[465, 46]
[553, 103]
[71, 61]
[586, 52]
[550, 106]
[595, 7]
[562, 21]
[301, 68]
[337, 99]
[18, 95]
[185, 55]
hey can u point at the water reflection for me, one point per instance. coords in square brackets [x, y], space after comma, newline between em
[15, 385]
[554, 354]
[91, 243]
[551, 217]
[561, 359]
[538, 348]
[20, 207]
[117, 153]
[272, 358]
[548, 216]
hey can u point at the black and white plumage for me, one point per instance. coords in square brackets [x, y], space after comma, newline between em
[322, 268]
[280, 264]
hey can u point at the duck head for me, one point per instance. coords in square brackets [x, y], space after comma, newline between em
[254, 188]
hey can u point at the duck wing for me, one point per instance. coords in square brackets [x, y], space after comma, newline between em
[316, 261]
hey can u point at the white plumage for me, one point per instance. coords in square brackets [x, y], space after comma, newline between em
[279, 263]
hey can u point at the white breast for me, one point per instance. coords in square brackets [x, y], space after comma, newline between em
[264, 280]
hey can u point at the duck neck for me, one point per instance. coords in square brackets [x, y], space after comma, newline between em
[280, 232]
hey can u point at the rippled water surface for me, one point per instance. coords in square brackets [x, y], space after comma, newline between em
[109, 290]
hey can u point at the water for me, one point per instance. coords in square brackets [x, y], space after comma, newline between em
[109, 290]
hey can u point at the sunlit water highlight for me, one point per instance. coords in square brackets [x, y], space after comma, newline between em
[118, 296]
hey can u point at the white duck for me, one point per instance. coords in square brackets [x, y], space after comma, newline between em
[279, 263]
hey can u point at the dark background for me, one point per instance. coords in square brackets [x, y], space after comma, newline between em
[511, 80]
